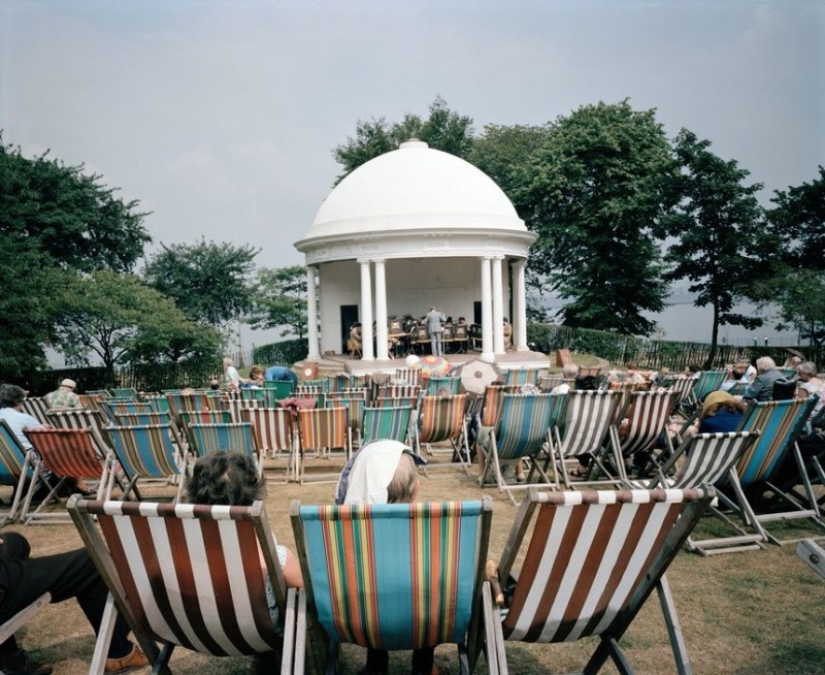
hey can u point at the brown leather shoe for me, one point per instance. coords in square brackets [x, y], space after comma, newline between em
[126, 664]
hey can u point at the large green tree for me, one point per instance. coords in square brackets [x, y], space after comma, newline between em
[211, 283]
[716, 234]
[281, 300]
[444, 130]
[799, 221]
[594, 191]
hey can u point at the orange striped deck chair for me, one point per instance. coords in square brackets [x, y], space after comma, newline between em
[114, 406]
[355, 405]
[194, 576]
[235, 405]
[493, 400]
[68, 454]
[322, 431]
[274, 433]
[441, 420]
[392, 576]
[591, 562]
[198, 401]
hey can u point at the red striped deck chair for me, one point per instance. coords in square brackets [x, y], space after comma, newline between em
[322, 432]
[590, 564]
[274, 433]
[16, 468]
[441, 420]
[407, 376]
[111, 406]
[90, 401]
[493, 400]
[584, 433]
[387, 422]
[68, 454]
[521, 433]
[223, 437]
[151, 454]
[392, 576]
[314, 392]
[184, 575]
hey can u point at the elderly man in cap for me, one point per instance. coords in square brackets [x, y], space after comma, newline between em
[64, 396]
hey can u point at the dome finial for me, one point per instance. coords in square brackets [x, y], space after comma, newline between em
[413, 143]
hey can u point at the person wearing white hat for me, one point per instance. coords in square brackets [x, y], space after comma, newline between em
[63, 396]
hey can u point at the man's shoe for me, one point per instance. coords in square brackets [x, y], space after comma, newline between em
[18, 663]
[126, 664]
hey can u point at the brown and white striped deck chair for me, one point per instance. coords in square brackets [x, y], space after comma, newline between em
[585, 433]
[235, 405]
[36, 407]
[683, 385]
[591, 562]
[184, 575]
[441, 420]
[408, 376]
[322, 432]
[68, 454]
[275, 434]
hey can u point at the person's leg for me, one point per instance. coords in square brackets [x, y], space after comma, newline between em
[378, 663]
[422, 661]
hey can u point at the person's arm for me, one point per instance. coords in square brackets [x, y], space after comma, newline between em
[292, 571]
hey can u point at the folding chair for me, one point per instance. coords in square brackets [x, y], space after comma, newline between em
[322, 430]
[235, 405]
[138, 418]
[493, 400]
[407, 376]
[519, 376]
[177, 403]
[587, 421]
[591, 562]
[441, 419]
[708, 381]
[522, 429]
[189, 575]
[813, 554]
[36, 407]
[124, 392]
[223, 437]
[149, 452]
[16, 468]
[355, 405]
[112, 406]
[392, 576]
[437, 385]
[406, 393]
[390, 422]
[275, 433]
[10, 626]
[68, 454]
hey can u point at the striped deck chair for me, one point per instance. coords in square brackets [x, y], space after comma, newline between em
[590, 564]
[90, 402]
[16, 469]
[441, 419]
[236, 405]
[159, 402]
[519, 376]
[138, 418]
[10, 626]
[193, 576]
[274, 433]
[36, 407]
[311, 391]
[188, 417]
[522, 430]
[103, 393]
[708, 381]
[388, 423]
[124, 392]
[405, 393]
[151, 453]
[392, 576]
[435, 385]
[339, 382]
[225, 436]
[584, 432]
[493, 400]
[407, 376]
[780, 422]
[322, 431]
[69, 454]
[198, 401]
[355, 410]
[252, 394]
[549, 382]
[278, 389]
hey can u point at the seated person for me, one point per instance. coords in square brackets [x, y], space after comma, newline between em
[737, 374]
[766, 375]
[721, 413]
[63, 396]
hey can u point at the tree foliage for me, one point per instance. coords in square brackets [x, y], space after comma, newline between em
[799, 220]
[717, 230]
[444, 130]
[594, 191]
[281, 300]
[209, 282]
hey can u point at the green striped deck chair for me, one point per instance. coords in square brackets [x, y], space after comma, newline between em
[252, 394]
[223, 437]
[324, 435]
[437, 385]
[188, 417]
[392, 576]
[149, 452]
[441, 420]
[124, 392]
[275, 390]
[322, 384]
[708, 381]
[193, 576]
[355, 410]
[389, 423]
[519, 376]
[779, 422]
[142, 418]
[158, 402]
[523, 429]
[340, 381]
[16, 467]
[589, 564]
[198, 401]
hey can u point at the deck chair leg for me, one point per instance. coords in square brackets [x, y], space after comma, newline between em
[674, 628]
[104, 637]
[608, 647]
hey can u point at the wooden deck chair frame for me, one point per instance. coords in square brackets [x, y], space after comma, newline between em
[183, 575]
[14, 623]
[16, 467]
[813, 555]
[67, 454]
[274, 433]
[381, 604]
[521, 433]
[442, 419]
[322, 431]
[591, 562]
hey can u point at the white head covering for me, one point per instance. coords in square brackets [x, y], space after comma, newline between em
[368, 473]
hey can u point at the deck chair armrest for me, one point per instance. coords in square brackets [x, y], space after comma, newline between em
[491, 575]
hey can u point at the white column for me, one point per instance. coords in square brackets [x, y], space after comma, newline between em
[314, 352]
[498, 306]
[520, 307]
[381, 311]
[486, 313]
[367, 353]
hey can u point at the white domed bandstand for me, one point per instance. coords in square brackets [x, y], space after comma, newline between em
[408, 230]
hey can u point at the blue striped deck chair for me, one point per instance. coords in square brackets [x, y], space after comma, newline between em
[158, 402]
[16, 467]
[188, 417]
[340, 381]
[779, 422]
[225, 436]
[519, 376]
[441, 420]
[584, 432]
[322, 432]
[193, 576]
[436, 386]
[523, 429]
[150, 454]
[355, 410]
[142, 418]
[589, 562]
[124, 392]
[392, 576]
[113, 406]
[708, 381]
[390, 423]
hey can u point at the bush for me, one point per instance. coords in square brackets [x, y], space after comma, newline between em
[286, 352]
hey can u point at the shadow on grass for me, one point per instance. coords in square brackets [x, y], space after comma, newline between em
[799, 659]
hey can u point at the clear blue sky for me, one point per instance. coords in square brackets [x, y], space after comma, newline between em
[221, 116]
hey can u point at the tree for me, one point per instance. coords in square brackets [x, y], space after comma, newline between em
[281, 300]
[443, 130]
[209, 282]
[799, 219]
[800, 296]
[594, 191]
[119, 318]
[719, 242]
